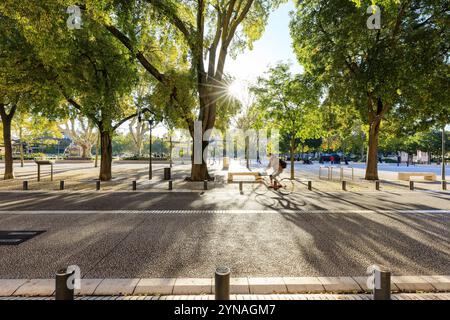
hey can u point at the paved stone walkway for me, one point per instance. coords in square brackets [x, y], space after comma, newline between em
[400, 296]
[243, 285]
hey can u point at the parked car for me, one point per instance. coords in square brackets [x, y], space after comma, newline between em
[327, 158]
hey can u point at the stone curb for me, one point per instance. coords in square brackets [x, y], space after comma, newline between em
[243, 285]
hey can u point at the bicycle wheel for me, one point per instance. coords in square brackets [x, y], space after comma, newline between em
[260, 188]
[287, 186]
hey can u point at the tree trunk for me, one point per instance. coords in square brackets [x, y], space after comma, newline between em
[97, 150]
[106, 152]
[9, 171]
[21, 154]
[292, 157]
[139, 150]
[372, 152]
[21, 148]
[247, 152]
[9, 162]
[363, 151]
[199, 172]
[224, 146]
[84, 151]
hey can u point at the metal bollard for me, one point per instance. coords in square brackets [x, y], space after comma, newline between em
[444, 185]
[97, 185]
[25, 185]
[62, 292]
[222, 283]
[205, 185]
[170, 185]
[241, 187]
[309, 185]
[382, 287]
[61, 185]
[134, 185]
[377, 185]
[411, 185]
[344, 185]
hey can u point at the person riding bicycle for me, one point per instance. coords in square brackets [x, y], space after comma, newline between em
[277, 168]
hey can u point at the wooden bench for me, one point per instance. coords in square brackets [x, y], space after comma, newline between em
[406, 176]
[231, 175]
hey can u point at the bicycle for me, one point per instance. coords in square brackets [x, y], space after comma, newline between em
[285, 185]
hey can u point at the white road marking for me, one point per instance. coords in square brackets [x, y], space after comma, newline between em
[33, 212]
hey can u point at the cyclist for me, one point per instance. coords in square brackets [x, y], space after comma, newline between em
[277, 168]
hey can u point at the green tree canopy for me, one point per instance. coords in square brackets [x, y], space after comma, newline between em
[291, 103]
[380, 72]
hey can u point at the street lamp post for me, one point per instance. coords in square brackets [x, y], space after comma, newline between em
[170, 152]
[443, 154]
[150, 125]
[150, 171]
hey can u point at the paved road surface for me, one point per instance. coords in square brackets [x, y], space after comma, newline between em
[338, 234]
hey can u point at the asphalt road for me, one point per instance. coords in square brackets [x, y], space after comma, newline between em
[268, 242]
[223, 200]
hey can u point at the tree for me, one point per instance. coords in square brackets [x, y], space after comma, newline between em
[291, 102]
[377, 71]
[82, 133]
[30, 128]
[23, 83]
[138, 131]
[88, 66]
[208, 28]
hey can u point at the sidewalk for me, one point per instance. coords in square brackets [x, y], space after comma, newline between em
[361, 297]
[82, 177]
[239, 286]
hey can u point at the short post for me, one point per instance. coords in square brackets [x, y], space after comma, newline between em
[382, 285]
[241, 187]
[39, 173]
[411, 185]
[61, 185]
[377, 185]
[25, 185]
[62, 292]
[205, 185]
[170, 185]
[51, 172]
[167, 174]
[134, 185]
[97, 185]
[344, 185]
[444, 185]
[222, 283]
[309, 185]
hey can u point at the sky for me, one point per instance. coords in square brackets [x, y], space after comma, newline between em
[274, 46]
